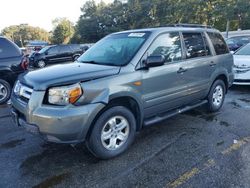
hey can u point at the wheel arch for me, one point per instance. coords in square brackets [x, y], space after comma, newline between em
[8, 76]
[224, 78]
[127, 101]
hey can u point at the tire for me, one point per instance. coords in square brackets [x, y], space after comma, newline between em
[41, 64]
[216, 96]
[5, 91]
[107, 140]
[75, 57]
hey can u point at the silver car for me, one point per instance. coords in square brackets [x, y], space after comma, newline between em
[126, 81]
[242, 65]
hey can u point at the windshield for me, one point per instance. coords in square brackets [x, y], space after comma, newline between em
[245, 50]
[116, 49]
[44, 49]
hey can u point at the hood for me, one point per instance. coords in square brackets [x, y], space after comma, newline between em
[242, 61]
[66, 74]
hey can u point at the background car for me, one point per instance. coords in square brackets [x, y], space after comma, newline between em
[242, 66]
[55, 54]
[12, 63]
[236, 42]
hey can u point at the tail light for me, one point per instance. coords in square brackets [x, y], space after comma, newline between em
[25, 63]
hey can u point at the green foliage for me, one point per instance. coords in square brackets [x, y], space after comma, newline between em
[63, 31]
[98, 20]
[23, 33]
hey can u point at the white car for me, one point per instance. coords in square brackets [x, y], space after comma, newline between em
[242, 66]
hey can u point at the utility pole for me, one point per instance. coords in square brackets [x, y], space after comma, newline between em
[21, 41]
[227, 28]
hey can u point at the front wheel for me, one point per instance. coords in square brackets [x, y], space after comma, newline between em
[41, 64]
[216, 96]
[113, 132]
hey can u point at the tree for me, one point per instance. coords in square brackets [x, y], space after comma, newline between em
[63, 31]
[21, 34]
[98, 20]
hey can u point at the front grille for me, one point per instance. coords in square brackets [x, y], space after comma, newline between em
[241, 71]
[25, 92]
[22, 91]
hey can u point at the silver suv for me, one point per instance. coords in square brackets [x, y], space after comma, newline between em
[126, 81]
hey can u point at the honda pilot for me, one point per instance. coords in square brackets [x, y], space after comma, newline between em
[126, 81]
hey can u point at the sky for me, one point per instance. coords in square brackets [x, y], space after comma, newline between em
[39, 13]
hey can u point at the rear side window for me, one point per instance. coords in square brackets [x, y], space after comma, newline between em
[8, 49]
[219, 43]
[167, 44]
[65, 49]
[75, 47]
[196, 45]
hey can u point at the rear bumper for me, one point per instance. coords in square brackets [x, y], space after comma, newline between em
[56, 124]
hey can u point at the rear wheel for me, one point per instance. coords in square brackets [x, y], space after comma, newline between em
[216, 96]
[113, 132]
[5, 91]
[75, 57]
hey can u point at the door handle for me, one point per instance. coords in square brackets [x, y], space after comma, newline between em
[212, 64]
[181, 70]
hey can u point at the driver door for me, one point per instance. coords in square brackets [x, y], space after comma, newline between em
[164, 87]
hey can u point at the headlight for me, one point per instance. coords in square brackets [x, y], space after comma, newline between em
[65, 95]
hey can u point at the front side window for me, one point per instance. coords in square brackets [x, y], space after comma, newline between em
[53, 50]
[219, 43]
[44, 49]
[117, 49]
[196, 45]
[168, 45]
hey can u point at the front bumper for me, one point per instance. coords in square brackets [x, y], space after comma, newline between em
[68, 124]
[241, 77]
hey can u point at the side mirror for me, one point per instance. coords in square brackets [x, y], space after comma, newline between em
[46, 53]
[155, 61]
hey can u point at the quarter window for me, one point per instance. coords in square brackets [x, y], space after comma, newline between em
[196, 45]
[64, 49]
[168, 45]
[219, 43]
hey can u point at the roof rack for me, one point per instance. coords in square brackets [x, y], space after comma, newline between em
[189, 25]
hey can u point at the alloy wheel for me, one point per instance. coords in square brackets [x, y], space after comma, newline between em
[217, 95]
[115, 132]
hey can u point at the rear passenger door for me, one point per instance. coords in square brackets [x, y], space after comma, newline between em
[52, 54]
[223, 58]
[199, 64]
[65, 53]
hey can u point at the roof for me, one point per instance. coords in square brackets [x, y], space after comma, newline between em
[37, 43]
[181, 27]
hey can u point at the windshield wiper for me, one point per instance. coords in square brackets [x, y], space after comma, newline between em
[91, 62]
[98, 63]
